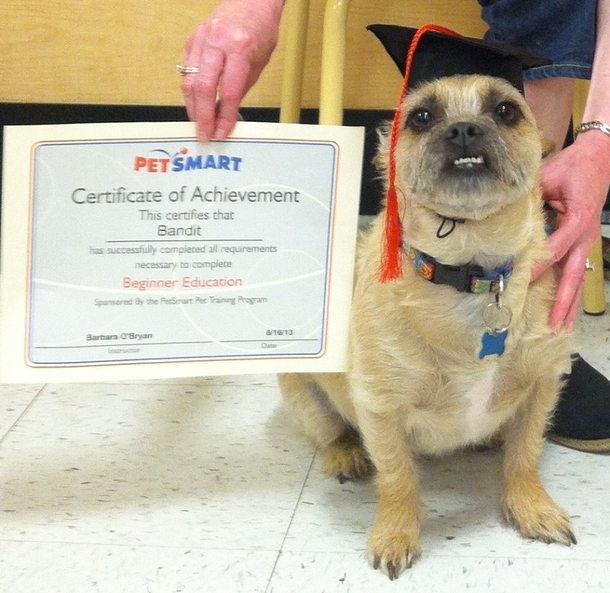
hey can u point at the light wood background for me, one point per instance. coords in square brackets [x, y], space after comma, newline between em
[125, 51]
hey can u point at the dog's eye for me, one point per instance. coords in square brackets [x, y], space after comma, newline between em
[419, 119]
[507, 112]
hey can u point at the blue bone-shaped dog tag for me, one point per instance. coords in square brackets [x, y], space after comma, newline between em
[492, 343]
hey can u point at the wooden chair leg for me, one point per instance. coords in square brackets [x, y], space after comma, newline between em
[333, 62]
[294, 61]
[593, 296]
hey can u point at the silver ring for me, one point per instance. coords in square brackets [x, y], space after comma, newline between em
[183, 70]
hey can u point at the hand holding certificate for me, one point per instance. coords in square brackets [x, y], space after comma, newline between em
[132, 251]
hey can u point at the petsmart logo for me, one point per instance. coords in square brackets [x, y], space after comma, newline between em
[182, 161]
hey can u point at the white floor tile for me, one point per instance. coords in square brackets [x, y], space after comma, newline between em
[460, 497]
[344, 572]
[150, 464]
[14, 400]
[31, 567]
[204, 485]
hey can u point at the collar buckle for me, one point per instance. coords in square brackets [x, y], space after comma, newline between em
[460, 277]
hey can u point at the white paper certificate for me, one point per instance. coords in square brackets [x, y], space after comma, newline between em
[133, 251]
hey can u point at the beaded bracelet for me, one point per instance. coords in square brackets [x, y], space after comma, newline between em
[593, 125]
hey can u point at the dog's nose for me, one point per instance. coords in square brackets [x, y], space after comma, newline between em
[464, 134]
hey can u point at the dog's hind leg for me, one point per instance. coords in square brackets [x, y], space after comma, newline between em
[343, 454]
[526, 503]
[346, 459]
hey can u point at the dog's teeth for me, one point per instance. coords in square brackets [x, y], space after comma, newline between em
[468, 161]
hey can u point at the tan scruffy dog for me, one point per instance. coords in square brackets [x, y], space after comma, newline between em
[436, 365]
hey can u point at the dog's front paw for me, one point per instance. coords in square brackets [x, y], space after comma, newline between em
[346, 459]
[393, 552]
[541, 519]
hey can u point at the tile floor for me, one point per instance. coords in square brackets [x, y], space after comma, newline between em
[203, 485]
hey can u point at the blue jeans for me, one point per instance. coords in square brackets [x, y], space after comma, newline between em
[561, 30]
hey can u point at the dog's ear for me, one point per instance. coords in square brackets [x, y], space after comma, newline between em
[380, 159]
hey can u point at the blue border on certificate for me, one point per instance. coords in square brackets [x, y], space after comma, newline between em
[33, 348]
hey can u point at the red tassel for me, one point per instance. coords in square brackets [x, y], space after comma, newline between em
[390, 257]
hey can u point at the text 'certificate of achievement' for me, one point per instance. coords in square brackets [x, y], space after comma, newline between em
[131, 251]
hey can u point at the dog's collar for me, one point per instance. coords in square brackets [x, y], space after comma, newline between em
[465, 278]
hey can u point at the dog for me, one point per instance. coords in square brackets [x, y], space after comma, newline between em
[434, 368]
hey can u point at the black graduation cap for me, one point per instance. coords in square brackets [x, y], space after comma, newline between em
[438, 55]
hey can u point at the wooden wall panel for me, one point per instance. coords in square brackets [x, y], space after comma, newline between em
[124, 52]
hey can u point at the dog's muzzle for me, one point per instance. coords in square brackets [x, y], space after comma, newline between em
[464, 140]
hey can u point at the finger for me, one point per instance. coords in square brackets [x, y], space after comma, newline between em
[233, 87]
[569, 289]
[206, 51]
[574, 308]
[192, 51]
[202, 89]
[541, 268]
[558, 319]
[559, 243]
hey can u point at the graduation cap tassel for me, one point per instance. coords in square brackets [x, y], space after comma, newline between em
[390, 258]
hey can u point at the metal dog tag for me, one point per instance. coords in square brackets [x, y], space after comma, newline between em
[497, 317]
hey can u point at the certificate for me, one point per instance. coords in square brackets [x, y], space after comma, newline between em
[132, 251]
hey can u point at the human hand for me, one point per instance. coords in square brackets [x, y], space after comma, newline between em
[230, 50]
[575, 185]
